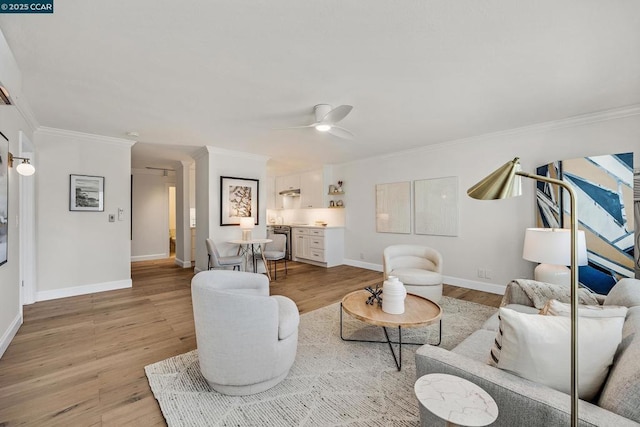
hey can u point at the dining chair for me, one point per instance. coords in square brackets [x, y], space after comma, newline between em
[273, 252]
[217, 261]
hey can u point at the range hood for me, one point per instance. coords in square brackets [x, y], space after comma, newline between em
[294, 192]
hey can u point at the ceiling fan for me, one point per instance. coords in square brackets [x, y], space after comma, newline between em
[326, 119]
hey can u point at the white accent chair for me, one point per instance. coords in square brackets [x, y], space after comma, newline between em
[273, 252]
[247, 340]
[217, 261]
[419, 268]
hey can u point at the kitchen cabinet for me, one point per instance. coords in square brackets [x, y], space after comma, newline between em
[282, 183]
[318, 245]
[271, 193]
[311, 189]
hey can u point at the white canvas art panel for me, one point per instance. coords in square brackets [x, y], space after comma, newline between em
[393, 207]
[436, 206]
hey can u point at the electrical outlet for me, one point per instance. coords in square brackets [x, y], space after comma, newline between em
[120, 214]
[361, 255]
[481, 273]
[487, 274]
[112, 218]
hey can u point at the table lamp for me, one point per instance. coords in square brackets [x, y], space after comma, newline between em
[551, 247]
[247, 224]
[505, 182]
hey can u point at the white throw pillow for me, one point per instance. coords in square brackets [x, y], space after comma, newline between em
[556, 308]
[538, 348]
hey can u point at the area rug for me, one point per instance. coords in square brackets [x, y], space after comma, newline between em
[332, 382]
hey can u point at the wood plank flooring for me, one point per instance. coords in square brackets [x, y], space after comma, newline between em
[80, 361]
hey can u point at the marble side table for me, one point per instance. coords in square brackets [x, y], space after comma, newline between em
[456, 400]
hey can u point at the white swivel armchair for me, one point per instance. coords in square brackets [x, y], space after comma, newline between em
[247, 340]
[418, 267]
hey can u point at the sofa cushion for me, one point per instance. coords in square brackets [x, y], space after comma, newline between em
[477, 345]
[493, 323]
[417, 276]
[538, 348]
[626, 292]
[621, 393]
[556, 308]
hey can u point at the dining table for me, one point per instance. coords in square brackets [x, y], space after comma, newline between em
[250, 248]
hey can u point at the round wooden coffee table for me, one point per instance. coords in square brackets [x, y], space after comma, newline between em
[418, 311]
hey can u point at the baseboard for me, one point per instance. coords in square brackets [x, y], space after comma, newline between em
[149, 257]
[492, 288]
[83, 290]
[7, 337]
[449, 280]
[362, 264]
[183, 264]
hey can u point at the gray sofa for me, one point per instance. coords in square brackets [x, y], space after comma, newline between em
[525, 403]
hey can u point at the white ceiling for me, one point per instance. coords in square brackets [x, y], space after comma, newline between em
[227, 73]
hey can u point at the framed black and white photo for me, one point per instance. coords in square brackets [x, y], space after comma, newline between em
[238, 199]
[4, 197]
[86, 193]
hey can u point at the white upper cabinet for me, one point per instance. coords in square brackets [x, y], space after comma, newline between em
[312, 189]
[282, 183]
[271, 193]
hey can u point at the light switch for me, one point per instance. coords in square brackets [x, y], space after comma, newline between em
[120, 214]
[112, 218]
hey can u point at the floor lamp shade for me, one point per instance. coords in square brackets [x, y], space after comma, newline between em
[551, 247]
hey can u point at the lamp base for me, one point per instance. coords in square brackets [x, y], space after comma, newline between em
[555, 274]
[246, 234]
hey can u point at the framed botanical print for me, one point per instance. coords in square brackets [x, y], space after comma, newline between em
[86, 193]
[238, 199]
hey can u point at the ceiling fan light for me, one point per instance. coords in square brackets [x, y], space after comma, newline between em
[323, 127]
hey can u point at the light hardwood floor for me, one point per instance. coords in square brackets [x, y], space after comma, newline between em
[79, 361]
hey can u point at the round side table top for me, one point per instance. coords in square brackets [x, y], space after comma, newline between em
[418, 311]
[456, 400]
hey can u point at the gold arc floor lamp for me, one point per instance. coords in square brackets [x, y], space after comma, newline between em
[504, 183]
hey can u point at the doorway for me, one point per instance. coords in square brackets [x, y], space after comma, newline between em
[172, 221]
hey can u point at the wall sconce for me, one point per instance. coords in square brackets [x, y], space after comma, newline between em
[25, 168]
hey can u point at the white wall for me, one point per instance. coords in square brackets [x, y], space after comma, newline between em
[81, 252]
[211, 164]
[150, 214]
[491, 233]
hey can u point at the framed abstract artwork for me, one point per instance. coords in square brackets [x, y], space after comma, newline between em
[436, 206]
[604, 186]
[4, 197]
[238, 199]
[393, 207]
[86, 193]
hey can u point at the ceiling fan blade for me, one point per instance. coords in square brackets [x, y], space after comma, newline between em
[340, 132]
[337, 114]
[297, 127]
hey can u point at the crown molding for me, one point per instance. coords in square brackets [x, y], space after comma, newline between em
[581, 120]
[121, 142]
